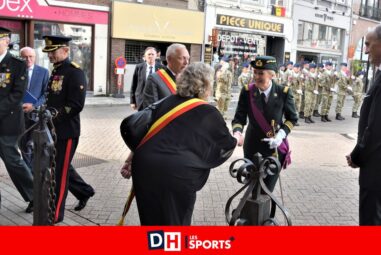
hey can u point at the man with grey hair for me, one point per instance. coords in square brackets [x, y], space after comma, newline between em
[367, 151]
[163, 83]
[38, 78]
[13, 81]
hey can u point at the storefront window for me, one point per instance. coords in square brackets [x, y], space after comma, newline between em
[80, 46]
[319, 36]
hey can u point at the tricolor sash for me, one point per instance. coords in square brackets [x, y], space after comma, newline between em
[167, 80]
[170, 116]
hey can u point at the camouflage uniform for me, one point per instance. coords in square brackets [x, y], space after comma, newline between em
[326, 82]
[305, 74]
[320, 90]
[342, 86]
[223, 89]
[310, 91]
[295, 81]
[357, 87]
[244, 79]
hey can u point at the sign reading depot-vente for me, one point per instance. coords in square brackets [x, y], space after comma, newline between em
[232, 21]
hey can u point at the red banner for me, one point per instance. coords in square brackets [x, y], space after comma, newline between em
[188, 240]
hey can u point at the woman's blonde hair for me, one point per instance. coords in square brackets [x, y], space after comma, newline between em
[195, 80]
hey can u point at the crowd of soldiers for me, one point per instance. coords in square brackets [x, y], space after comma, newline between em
[313, 86]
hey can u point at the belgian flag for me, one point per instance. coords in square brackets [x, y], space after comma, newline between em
[278, 11]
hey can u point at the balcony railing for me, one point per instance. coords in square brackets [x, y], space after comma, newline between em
[370, 12]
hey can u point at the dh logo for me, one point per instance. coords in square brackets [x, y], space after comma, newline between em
[169, 241]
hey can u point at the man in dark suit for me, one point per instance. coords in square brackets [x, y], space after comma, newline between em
[275, 103]
[367, 151]
[142, 71]
[13, 81]
[163, 83]
[38, 78]
[66, 93]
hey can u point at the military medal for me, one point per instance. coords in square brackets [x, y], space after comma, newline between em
[5, 78]
[56, 86]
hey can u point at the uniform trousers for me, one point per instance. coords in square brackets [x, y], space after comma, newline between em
[19, 172]
[65, 174]
[370, 207]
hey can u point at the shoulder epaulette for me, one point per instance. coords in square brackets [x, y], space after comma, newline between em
[285, 89]
[75, 65]
[18, 58]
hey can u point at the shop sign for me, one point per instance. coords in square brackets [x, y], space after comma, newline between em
[233, 21]
[324, 16]
[40, 9]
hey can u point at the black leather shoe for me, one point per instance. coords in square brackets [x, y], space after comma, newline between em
[311, 120]
[327, 119]
[355, 115]
[307, 120]
[81, 204]
[323, 119]
[29, 209]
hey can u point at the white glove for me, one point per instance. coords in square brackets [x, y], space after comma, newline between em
[274, 142]
[238, 135]
[332, 90]
[349, 88]
[316, 92]
[299, 91]
[353, 77]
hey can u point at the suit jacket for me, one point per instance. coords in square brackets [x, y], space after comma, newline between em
[138, 83]
[156, 88]
[38, 84]
[13, 82]
[367, 151]
[280, 104]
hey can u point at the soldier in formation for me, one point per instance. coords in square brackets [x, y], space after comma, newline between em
[357, 93]
[343, 86]
[224, 80]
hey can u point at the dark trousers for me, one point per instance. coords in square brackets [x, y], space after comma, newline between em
[370, 207]
[164, 207]
[67, 177]
[17, 169]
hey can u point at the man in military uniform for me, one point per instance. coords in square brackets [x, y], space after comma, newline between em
[327, 82]
[275, 103]
[295, 81]
[357, 93]
[224, 80]
[13, 82]
[245, 77]
[311, 92]
[66, 93]
[343, 81]
[320, 90]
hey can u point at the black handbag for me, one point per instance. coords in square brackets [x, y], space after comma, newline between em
[134, 127]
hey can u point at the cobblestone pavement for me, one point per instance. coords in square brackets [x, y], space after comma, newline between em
[318, 187]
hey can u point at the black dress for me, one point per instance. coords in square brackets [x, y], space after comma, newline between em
[174, 164]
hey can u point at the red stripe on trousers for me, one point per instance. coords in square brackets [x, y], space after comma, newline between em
[63, 177]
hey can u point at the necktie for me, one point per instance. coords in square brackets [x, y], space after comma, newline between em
[29, 77]
[150, 70]
[263, 98]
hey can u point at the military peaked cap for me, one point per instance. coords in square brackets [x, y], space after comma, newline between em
[312, 65]
[265, 63]
[344, 64]
[328, 63]
[4, 32]
[53, 43]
